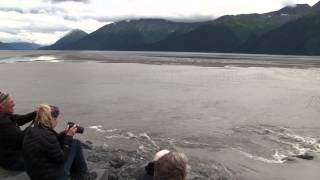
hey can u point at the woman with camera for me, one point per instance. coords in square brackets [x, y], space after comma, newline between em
[52, 156]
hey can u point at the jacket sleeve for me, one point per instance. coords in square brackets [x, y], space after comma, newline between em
[56, 152]
[61, 136]
[23, 119]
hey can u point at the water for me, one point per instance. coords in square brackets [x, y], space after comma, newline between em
[250, 113]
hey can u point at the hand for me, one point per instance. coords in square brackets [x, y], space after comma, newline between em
[71, 131]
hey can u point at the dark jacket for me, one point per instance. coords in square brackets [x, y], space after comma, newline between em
[146, 172]
[44, 154]
[11, 138]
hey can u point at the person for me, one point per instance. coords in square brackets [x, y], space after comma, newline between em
[52, 156]
[166, 165]
[11, 136]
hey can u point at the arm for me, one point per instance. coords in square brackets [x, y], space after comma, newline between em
[23, 119]
[55, 152]
[61, 136]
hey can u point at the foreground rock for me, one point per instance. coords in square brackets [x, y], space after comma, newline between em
[119, 164]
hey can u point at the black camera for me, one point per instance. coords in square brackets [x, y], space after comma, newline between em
[79, 128]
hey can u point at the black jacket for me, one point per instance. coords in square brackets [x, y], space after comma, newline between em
[44, 154]
[146, 172]
[11, 138]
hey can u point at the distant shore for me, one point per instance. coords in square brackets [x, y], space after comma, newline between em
[173, 58]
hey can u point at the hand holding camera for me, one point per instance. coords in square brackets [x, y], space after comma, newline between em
[73, 128]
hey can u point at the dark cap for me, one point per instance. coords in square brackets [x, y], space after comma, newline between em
[55, 111]
[3, 97]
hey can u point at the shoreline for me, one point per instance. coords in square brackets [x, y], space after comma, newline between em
[170, 58]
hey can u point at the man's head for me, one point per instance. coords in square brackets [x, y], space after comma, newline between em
[171, 166]
[6, 103]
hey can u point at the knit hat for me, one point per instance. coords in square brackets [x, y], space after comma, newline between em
[3, 97]
[54, 111]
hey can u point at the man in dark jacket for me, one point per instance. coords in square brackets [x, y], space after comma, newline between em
[11, 136]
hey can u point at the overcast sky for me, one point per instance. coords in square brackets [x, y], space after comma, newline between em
[45, 21]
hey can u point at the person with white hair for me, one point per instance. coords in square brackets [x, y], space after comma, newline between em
[166, 165]
[11, 136]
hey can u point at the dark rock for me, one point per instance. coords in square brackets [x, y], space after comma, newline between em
[288, 159]
[86, 145]
[305, 156]
[88, 142]
[119, 164]
[107, 175]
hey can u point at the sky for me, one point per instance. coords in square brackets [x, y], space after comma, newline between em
[45, 21]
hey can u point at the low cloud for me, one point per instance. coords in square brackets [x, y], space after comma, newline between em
[11, 9]
[40, 28]
[59, 1]
[47, 10]
[32, 37]
[37, 10]
[107, 19]
[290, 3]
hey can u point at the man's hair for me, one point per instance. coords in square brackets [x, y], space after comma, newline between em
[171, 166]
[44, 116]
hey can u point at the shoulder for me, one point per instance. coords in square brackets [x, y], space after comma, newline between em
[5, 117]
[143, 174]
[43, 133]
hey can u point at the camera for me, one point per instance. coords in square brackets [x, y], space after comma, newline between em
[79, 128]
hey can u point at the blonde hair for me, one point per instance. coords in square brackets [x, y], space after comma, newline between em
[44, 116]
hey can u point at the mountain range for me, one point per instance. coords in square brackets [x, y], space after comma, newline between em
[290, 30]
[67, 40]
[19, 46]
[129, 35]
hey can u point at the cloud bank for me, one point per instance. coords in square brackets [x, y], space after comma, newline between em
[59, 1]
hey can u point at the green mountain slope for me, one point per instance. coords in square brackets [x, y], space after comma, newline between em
[298, 37]
[125, 35]
[66, 40]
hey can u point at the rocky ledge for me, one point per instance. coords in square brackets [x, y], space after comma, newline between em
[119, 164]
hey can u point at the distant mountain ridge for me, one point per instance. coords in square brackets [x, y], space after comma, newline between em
[316, 7]
[246, 25]
[226, 33]
[298, 37]
[127, 35]
[245, 33]
[19, 46]
[70, 38]
[24, 46]
[4, 46]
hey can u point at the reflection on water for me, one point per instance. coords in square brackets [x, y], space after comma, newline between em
[29, 59]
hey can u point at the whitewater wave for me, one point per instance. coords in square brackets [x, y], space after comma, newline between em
[286, 143]
[278, 158]
[43, 58]
[12, 60]
[299, 143]
[97, 128]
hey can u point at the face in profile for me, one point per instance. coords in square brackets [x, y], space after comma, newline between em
[8, 106]
[54, 122]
